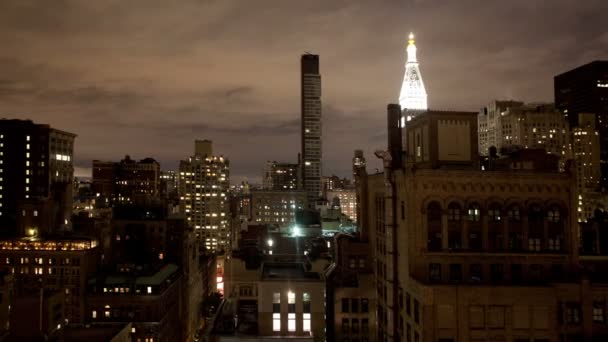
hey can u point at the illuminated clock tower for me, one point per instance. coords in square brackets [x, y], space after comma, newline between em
[413, 95]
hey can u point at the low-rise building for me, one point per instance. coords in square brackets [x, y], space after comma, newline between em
[61, 264]
[151, 301]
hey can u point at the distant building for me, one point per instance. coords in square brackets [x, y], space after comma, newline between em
[169, 184]
[413, 97]
[586, 153]
[281, 176]
[61, 264]
[312, 151]
[125, 182]
[204, 182]
[150, 301]
[505, 124]
[585, 90]
[348, 201]
[276, 207]
[36, 178]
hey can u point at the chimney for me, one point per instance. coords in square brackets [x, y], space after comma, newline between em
[394, 135]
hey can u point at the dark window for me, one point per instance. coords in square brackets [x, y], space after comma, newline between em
[344, 304]
[408, 333]
[416, 311]
[476, 273]
[497, 272]
[364, 325]
[355, 325]
[408, 304]
[435, 272]
[345, 325]
[573, 313]
[598, 312]
[517, 273]
[455, 272]
[514, 213]
[364, 305]
[354, 305]
[402, 210]
[453, 212]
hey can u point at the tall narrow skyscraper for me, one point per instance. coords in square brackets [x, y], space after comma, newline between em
[311, 127]
[413, 95]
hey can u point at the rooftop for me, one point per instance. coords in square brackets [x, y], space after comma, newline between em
[287, 271]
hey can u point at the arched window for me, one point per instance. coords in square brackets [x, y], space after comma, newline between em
[494, 213]
[474, 212]
[553, 214]
[454, 212]
[514, 213]
[433, 212]
[434, 237]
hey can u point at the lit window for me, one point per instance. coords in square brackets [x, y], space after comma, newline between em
[276, 322]
[291, 322]
[149, 289]
[94, 314]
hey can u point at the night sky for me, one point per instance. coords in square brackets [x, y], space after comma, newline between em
[146, 78]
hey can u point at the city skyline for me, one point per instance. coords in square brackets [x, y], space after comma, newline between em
[72, 66]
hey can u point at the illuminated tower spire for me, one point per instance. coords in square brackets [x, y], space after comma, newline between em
[413, 94]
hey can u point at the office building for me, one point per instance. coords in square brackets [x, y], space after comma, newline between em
[509, 124]
[60, 264]
[276, 207]
[36, 177]
[585, 90]
[483, 255]
[347, 200]
[281, 176]
[312, 151]
[413, 97]
[125, 182]
[586, 155]
[204, 181]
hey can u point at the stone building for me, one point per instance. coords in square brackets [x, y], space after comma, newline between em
[469, 255]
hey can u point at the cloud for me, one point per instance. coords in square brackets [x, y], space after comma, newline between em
[147, 77]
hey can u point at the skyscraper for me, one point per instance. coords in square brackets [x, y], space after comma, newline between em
[36, 177]
[413, 95]
[311, 127]
[585, 90]
[204, 181]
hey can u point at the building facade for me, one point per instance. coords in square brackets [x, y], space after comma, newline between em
[585, 90]
[276, 207]
[281, 176]
[204, 181]
[347, 199]
[586, 155]
[36, 171]
[57, 265]
[312, 151]
[483, 255]
[125, 182]
[504, 124]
